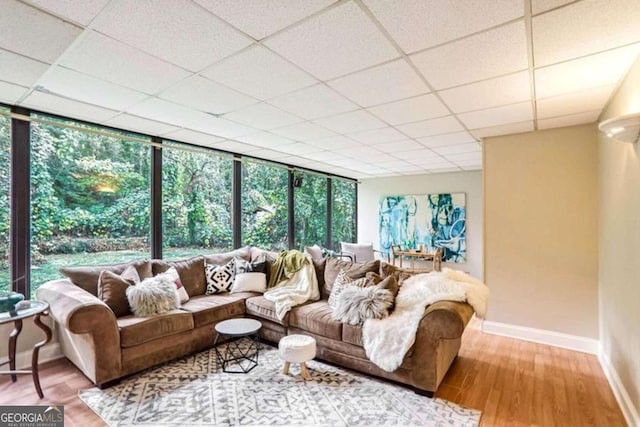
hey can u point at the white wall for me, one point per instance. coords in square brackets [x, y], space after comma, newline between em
[371, 190]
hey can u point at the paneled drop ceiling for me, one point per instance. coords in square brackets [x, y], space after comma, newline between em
[359, 88]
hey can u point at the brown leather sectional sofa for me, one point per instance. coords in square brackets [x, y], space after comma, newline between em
[106, 348]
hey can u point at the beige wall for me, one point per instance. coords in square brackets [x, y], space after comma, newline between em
[370, 191]
[541, 229]
[619, 231]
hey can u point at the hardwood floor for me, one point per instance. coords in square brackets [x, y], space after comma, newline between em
[514, 383]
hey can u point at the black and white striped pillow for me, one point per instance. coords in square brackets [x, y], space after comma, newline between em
[220, 278]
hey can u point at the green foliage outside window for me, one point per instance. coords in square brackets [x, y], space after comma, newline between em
[343, 215]
[5, 186]
[310, 209]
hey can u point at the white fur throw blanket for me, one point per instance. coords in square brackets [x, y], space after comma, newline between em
[386, 341]
[300, 288]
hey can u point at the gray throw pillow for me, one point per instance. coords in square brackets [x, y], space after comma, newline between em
[355, 304]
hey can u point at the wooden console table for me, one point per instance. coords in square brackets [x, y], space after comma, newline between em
[436, 256]
[25, 310]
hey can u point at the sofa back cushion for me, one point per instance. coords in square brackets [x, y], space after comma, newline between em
[86, 277]
[112, 289]
[400, 274]
[191, 272]
[257, 253]
[354, 270]
[225, 257]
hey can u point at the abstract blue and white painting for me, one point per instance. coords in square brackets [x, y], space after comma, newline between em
[431, 220]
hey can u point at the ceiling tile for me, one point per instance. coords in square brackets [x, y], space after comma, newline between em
[82, 11]
[431, 127]
[471, 157]
[304, 131]
[266, 140]
[498, 116]
[378, 136]
[181, 32]
[420, 24]
[322, 156]
[434, 163]
[508, 129]
[340, 161]
[489, 93]
[375, 157]
[361, 152]
[260, 73]
[19, 69]
[262, 116]
[206, 95]
[539, 6]
[11, 93]
[33, 33]
[500, 51]
[333, 143]
[186, 135]
[384, 83]
[471, 147]
[60, 81]
[165, 111]
[583, 28]
[392, 162]
[351, 122]
[444, 169]
[138, 124]
[110, 60]
[234, 147]
[313, 102]
[299, 148]
[577, 102]
[416, 155]
[218, 126]
[447, 139]
[296, 161]
[410, 110]
[268, 154]
[396, 146]
[585, 73]
[66, 107]
[569, 120]
[259, 18]
[334, 43]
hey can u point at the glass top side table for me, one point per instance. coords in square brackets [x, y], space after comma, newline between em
[24, 310]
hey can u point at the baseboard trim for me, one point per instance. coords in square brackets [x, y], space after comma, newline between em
[49, 352]
[541, 336]
[630, 412]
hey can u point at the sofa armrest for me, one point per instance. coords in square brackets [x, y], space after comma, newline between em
[446, 319]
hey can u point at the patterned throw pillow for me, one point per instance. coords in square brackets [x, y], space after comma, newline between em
[220, 277]
[341, 282]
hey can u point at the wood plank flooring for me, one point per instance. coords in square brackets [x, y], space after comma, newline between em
[514, 383]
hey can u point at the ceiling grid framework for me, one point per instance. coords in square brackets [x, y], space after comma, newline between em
[359, 88]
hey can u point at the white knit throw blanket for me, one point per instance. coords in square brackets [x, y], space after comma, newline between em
[386, 341]
[300, 288]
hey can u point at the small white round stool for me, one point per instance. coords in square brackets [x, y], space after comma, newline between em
[297, 349]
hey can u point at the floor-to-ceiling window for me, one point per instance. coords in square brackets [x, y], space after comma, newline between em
[5, 200]
[343, 211]
[90, 198]
[264, 205]
[196, 201]
[310, 209]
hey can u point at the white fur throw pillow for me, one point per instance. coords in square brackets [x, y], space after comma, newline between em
[356, 304]
[340, 284]
[155, 295]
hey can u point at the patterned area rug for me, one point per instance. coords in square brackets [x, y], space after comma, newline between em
[193, 391]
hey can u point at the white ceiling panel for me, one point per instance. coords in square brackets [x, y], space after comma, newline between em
[583, 28]
[219, 127]
[500, 51]
[80, 11]
[260, 18]
[444, 169]
[11, 93]
[392, 162]
[503, 90]
[262, 116]
[420, 24]
[334, 43]
[569, 120]
[234, 147]
[323, 156]
[176, 30]
[165, 111]
[71, 84]
[471, 147]
[66, 107]
[351, 122]
[435, 163]
[585, 73]
[268, 154]
[508, 129]
[333, 143]
[298, 148]
[206, 95]
[396, 146]
[498, 116]
[362, 153]
[431, 127]
[410, 110]
[539, 6]
[265, 140]
[446, 139]
[571, 103]
[110, 60]
[378, 136]
[260, 73]
[304, 131]
[384, 83]
[340, 161]
[375, 157]
[138, 124]
[313, 102]
[297, 161]
[470, 157]
[19, 69]
[186, 135]
[416, 155]
[33, 33]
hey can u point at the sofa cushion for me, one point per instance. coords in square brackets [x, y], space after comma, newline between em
[225, 257]
[87, 277]
[207, 309]
[191, 273]
[256, 253]
[354, 270]
[265, 309]
[316, 318]
[138, 330]
[352, 334]
[401, 274]
[112, 289]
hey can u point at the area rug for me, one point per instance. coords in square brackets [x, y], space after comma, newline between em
[193, 391]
